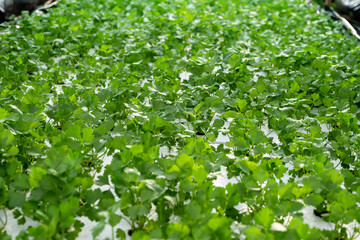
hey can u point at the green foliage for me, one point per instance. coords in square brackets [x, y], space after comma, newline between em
[96, 79]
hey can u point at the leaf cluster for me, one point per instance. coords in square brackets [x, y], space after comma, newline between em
[111, 110]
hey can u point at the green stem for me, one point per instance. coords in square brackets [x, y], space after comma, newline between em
[127, 220]
[338, 164]
[355, 235]
[269, 133]
[104, 153]
[4, 223]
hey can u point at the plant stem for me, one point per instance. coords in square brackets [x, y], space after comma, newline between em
[4, 223]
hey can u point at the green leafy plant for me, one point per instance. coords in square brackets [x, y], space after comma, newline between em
[117, 111]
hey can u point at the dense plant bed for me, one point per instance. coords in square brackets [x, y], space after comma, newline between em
[123, 79]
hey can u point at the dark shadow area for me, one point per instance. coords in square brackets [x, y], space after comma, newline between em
[15, 7]
[347, 11]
